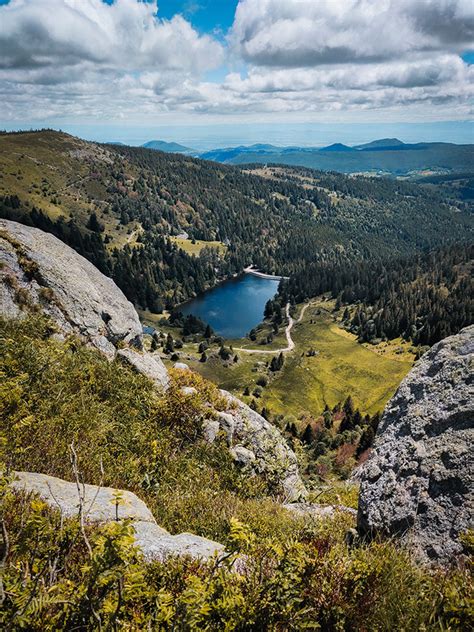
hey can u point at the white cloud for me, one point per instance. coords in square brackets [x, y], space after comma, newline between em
[86, 59]
[126, 36]
[295, 33]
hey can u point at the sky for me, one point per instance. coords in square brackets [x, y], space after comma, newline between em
[209, 73]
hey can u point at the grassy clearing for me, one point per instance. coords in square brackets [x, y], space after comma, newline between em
[194, 247]
[341, 367]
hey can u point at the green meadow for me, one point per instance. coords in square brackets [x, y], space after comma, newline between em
[340, 366]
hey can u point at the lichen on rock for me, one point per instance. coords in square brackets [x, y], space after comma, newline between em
[418, 483]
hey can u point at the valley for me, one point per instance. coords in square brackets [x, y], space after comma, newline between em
[236, 316]
[307, 381]
[175, 232]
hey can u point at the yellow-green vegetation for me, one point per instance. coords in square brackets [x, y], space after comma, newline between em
[52, 172]
[194, 246]
[339, 367]
[54, 394]
[281, 573]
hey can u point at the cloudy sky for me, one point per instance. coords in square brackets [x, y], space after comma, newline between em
[253, 64]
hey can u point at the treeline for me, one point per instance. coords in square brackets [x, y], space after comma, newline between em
[422, 298]
[154, 275]
[282, 224]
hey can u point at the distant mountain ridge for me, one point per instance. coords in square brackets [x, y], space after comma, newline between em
[163, 145]
[383, 156]
[384, 143]
[338, 147]
[389, 156]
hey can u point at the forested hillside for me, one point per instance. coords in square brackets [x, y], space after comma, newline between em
[118, 205]
[388, 156]
[423, 298]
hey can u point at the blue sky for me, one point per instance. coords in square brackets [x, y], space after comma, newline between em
[206, 15]
[214, 72]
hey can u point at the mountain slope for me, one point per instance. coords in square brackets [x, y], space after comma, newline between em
[117, 205]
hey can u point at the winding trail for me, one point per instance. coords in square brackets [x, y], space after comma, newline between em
[291, 344]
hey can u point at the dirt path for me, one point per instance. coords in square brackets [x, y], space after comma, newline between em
[291, 344]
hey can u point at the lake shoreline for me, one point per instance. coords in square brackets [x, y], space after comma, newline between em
[235, 306]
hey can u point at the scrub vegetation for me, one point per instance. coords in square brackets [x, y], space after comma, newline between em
[280, 572]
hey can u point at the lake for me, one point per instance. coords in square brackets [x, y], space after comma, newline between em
[235, 306]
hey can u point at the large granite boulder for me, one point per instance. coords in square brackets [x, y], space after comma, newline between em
[105, 504]
[418, 482]
[39, 272]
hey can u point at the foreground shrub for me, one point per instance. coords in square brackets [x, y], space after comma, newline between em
[55, 393]
[59, 578]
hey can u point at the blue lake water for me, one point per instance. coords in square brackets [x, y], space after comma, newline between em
[235, 306]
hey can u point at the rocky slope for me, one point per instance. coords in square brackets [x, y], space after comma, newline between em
[419, 481]
[41, 274]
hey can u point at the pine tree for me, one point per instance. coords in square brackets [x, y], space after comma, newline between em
[94, 224]
[268, 313]
[366, 440]
[308, 435]
[169, 345]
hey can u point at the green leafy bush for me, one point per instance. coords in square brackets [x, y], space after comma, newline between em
[58, 578]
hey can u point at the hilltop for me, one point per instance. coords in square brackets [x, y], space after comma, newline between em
[163, 145]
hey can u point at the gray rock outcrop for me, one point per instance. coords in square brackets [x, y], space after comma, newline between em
[39, 271]
[274, 459]
[418, 482]
[181, 366]
[147, 364]
[99, 505]
[243, 456]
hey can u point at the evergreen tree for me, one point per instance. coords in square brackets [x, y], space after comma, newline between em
[308, 435]
[94, 224]
[169, 345]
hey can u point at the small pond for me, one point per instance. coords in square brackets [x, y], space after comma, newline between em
[235, 306]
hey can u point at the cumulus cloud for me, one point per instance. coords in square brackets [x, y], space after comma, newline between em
[294, 33]
[86, 58]
[125, 35]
